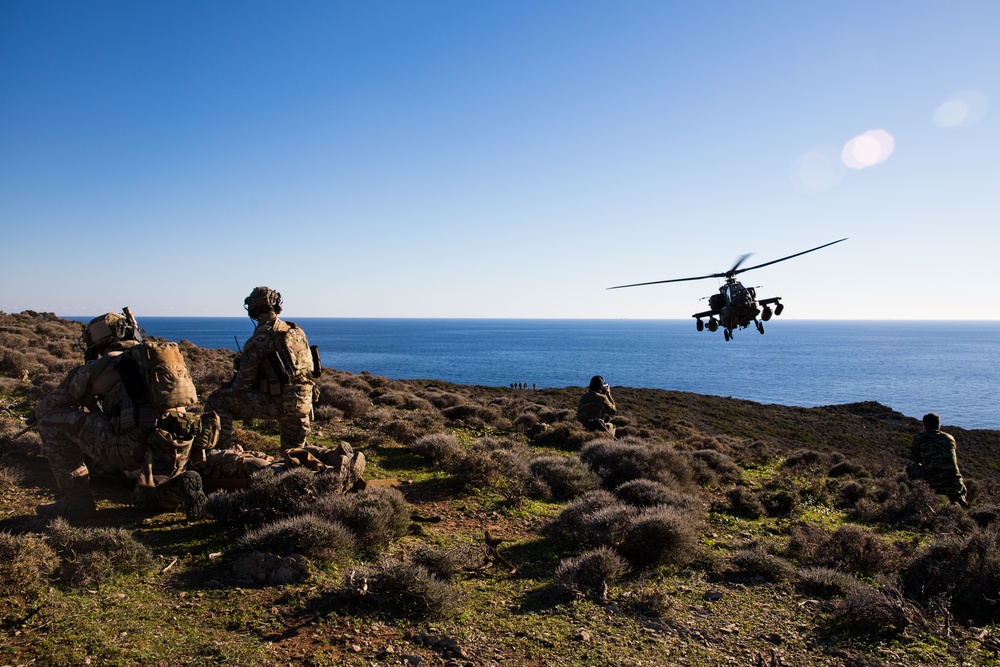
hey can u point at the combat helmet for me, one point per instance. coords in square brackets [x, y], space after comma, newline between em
[261, 300]
[105, 330]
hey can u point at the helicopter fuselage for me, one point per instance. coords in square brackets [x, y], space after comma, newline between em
[736, 307]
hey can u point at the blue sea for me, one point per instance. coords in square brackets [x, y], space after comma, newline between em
[914, 367]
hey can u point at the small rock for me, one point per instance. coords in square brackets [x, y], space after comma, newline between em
[713, 595]
[582, 636]
[408, 659]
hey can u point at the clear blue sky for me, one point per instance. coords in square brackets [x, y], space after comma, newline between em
[504, 159]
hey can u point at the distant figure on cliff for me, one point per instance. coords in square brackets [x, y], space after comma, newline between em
[596, 407]
[272, 375]
[935, 461]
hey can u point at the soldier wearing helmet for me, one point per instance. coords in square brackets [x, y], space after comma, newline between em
[88, 415]
[272, 377]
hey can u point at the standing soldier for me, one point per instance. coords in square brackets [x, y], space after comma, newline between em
[596, 407]
[272, 375]
[125, 408]
[935, 461]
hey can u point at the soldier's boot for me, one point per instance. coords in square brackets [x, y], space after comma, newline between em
[181, 492]
[193, 496]
[76, 505]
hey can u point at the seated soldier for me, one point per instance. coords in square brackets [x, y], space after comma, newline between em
[935, 461]
[596, 407]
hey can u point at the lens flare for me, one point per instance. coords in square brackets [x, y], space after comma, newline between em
[816, 171]
[961, 109]
[868, 149]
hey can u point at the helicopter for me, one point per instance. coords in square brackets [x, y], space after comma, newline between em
[735, 306]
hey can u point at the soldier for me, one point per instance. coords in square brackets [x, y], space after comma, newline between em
[272, 377]
[597, 405]
[935, 461]
[110, 410]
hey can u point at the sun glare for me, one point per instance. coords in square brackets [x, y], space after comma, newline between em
[961, 109]
[816, 171]
[868, 149]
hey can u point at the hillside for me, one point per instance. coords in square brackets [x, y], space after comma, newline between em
[713, 531]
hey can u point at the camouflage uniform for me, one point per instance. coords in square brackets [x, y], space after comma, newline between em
[249, 395]
[593, 407]
[934, 460]
[81, 417]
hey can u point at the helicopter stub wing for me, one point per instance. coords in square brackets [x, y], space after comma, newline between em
[707, 313]
[769, 300]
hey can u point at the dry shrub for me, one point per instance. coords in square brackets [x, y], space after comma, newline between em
[711, 467]
[10, 477]
[269, 495]
[565, 477]
[984, 515]
[644, 493]
[570, 526]
[965, 569]
[442, 563]
[757, 562]
[305, 534]
[662, 536]
[402, 431]
[805, 542]
[897, 501]
[850, 493]
[26, 561]
[848, 469]
[442, 448]
[867, 611]
[554, 416]
[781, 503]
[825, 582]
[351, 401]
[393, 399]
[441, 400]
[745, 503]
[620, 461]
[807, 460]
[590, 573]
[326, 413]
[564, 435]
[859, 550]
[608, 526]
[499, 465]
[376, 516]
[409, 591]
[472, 414]
[93, 555]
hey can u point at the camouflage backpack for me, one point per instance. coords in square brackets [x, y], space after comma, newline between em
[156, 380]
[292, 358]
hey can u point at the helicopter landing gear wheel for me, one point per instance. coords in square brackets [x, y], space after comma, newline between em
[760, 326]
[727, 334]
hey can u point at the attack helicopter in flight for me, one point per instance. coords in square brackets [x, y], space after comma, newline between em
[735, 306]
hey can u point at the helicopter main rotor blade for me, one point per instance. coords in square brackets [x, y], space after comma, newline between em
[733, 271]
[674, 280]
[789, 257]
